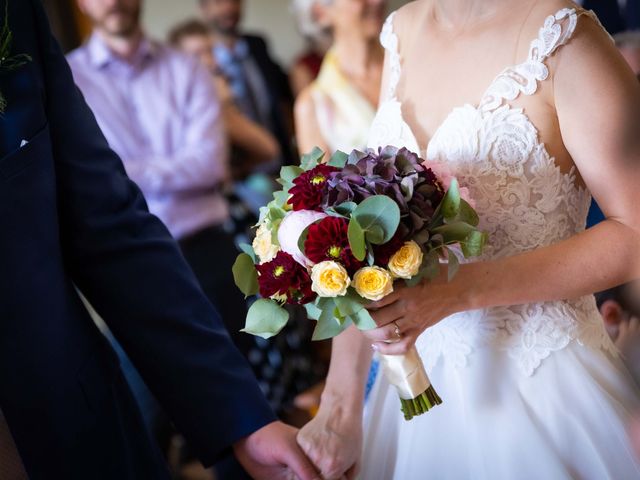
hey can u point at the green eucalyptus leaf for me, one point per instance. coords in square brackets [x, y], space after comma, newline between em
[355, 233]
[245, 275]
[248, 249]
[375, 235]
[338, 159]
[328, 325]
[450, 205]
[467, 214]
[430, 265]
[363, 320]
[313, 312]
[454, 232]
[346, 208]
[380, 211]
[453, 265]
[281, 197]
[288, 174]
[303, 238]
[349, 304]
[265, 318]
[311, 159]
[473, 245]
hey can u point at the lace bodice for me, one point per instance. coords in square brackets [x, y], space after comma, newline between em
[522, 197]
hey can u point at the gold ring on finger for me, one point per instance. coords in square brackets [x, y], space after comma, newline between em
[396, 330]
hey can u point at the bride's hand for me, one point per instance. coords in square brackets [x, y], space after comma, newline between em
[333, 442]
[407, 312]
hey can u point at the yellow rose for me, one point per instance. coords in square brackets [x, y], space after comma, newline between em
[373, 283]
[329, 279]
[406, 262]
[263, 246]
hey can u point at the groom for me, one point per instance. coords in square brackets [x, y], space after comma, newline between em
[70, 218]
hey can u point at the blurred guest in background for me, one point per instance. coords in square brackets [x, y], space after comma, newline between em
[255, 144]
[259, 85]
[620, 310]
[306, 67]
[337, 109]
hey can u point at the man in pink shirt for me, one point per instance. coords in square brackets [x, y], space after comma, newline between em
[160, 113]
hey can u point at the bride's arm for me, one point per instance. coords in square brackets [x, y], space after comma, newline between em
[597, 99]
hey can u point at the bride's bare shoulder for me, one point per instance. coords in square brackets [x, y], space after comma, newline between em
[405, 19]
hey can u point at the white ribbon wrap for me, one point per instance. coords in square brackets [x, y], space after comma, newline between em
[406, 373]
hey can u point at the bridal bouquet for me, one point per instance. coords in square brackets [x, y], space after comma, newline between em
[339, 234]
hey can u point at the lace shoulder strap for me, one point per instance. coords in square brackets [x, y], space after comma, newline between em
[389, 41]
[556, 31]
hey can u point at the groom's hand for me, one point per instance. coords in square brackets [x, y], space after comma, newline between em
[273, 453]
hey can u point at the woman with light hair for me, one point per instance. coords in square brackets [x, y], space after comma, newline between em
[337, 109]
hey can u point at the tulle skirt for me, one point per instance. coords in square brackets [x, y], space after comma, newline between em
[567, 420]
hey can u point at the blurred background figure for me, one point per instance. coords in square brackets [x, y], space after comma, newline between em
[336, 110]
[629, 45]
[259, 88]
[306, 67]
[620, 310]
[251, 143]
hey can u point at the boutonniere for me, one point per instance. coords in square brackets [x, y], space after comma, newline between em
[8, 62]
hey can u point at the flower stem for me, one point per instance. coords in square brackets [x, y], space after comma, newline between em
[421, 404]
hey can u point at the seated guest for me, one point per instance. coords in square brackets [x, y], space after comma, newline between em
[306, 66]
[337, 109]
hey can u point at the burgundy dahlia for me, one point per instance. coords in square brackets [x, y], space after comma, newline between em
[328, 240]
[309, 187]
[284, 276]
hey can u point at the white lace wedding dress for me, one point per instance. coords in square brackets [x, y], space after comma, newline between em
[530, 391]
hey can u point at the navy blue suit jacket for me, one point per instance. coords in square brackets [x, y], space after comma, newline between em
[70, 217]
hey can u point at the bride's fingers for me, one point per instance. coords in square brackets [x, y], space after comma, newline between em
[388, 300]
[398, 348]
[388, 314]
[382, 334]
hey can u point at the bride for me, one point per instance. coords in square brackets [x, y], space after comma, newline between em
[534, 110]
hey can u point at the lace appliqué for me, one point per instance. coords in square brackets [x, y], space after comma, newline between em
[522, 197]
[389, 41]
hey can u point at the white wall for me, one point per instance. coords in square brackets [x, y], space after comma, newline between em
[269, 17]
